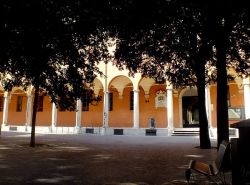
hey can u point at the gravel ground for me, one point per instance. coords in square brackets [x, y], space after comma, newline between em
[97, 160]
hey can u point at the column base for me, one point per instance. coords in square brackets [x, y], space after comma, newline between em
[170, 131]
[27, 127]
[77, 130]
[53, 129]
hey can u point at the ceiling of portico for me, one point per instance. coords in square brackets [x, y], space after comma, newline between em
[120, 83]
[237, 79]
[189, 91]
[97, 86]
[146, 84]
[18, 90]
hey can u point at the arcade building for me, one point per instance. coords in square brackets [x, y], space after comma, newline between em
[129, 106]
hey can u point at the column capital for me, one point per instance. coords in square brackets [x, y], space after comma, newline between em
[29, 95]
[169, 86]
[246, 81]
[6, 94]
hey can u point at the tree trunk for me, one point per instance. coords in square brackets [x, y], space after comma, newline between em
[222, 105]
[32, 139]
[203, 122]
[199, 66]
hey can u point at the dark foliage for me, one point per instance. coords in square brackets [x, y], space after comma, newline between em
[180, 41]
[41, 47]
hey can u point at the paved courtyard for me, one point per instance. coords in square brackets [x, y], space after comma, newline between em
[97, 160]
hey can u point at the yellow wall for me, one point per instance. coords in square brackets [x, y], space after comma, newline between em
[236, 100]
[93, 117]
[66, 118]
[236, 96]
[44, 118]
[213, 94]
[14, 117]
[1, 112]
[148, 110]
[176, 111]
[121, 115]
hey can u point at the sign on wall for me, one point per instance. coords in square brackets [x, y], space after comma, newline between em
[160, 99]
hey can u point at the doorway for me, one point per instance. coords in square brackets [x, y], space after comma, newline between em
[190, 111]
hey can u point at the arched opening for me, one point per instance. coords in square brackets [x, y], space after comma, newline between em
[120, 102]
[190, 108]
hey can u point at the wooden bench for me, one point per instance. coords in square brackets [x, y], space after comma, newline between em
[215, 170]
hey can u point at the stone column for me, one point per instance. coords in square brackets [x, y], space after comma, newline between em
[54, 117]
[78, 115]
[28, 112]
[246, 85]
[208, 105]
[136, 109]
[105, 102]
[208, 110]
[170, 108]
[5, 108]
[106, 110]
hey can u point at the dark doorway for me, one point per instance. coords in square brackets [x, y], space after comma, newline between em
[190, 111]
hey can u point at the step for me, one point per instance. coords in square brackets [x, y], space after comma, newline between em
[186, 132]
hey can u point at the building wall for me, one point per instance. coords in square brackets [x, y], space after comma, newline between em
[2, 105]
[236, 98]
[93, 117]
[148, 109]
[66, 118]
[213, 92]
[14, 117]
[121, 115]
[121, 85]
[44, 118]
[176, 111]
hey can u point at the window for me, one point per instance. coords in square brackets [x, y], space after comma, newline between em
[236, 113]
[85, 106]
[85, 101]
[131, 100]
[40, 104]
[1, 103]
[19, 104]
[110, 101]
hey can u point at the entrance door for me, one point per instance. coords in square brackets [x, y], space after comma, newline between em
[190, 111]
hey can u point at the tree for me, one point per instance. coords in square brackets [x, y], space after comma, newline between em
[230, 27]
[160, 41]
[41, 48]
[165, 46]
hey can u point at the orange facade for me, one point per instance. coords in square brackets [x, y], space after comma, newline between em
[121, 115]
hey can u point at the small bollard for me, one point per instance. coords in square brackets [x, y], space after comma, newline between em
[152, 122]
